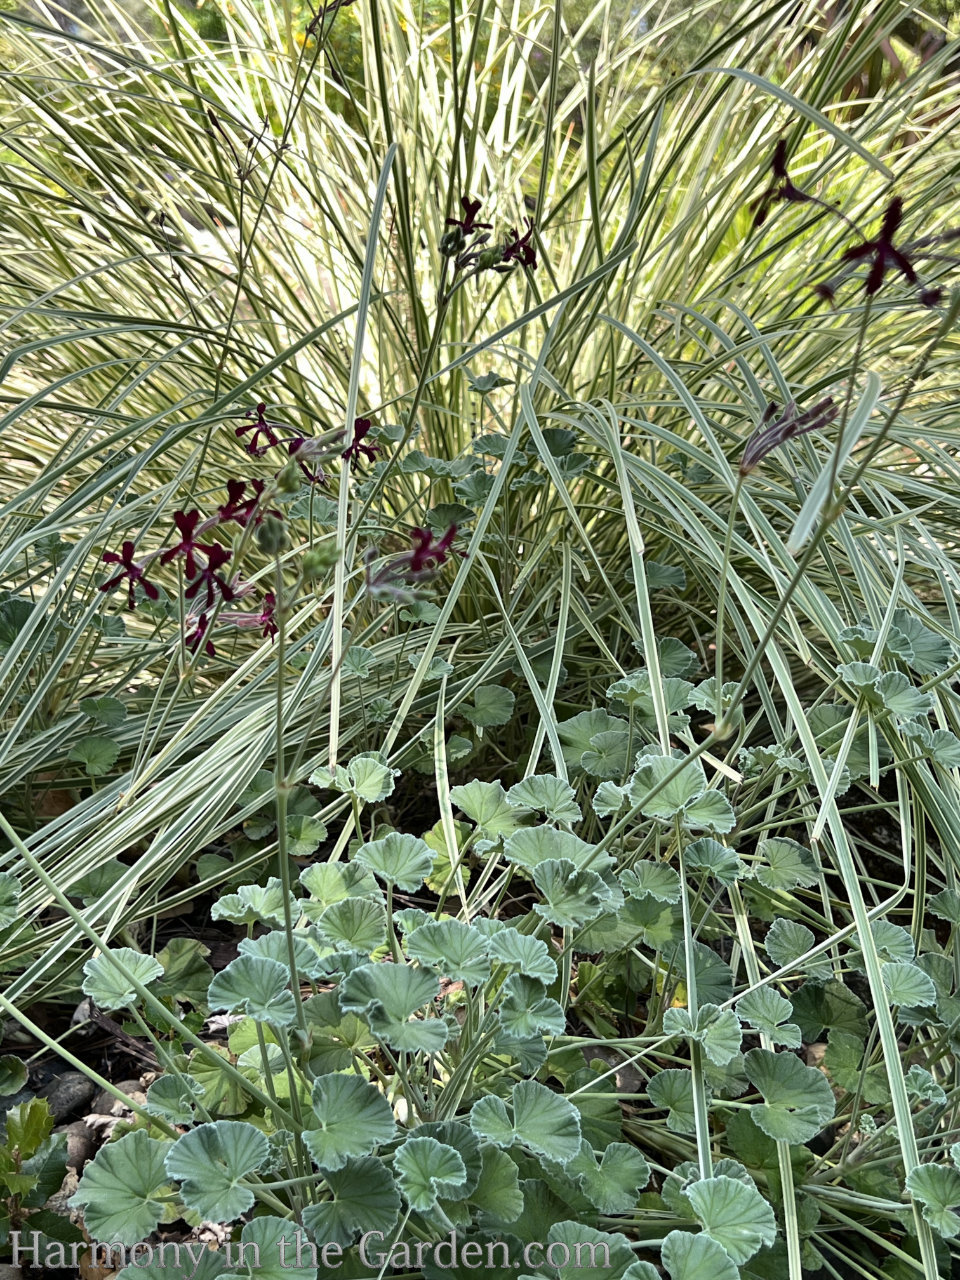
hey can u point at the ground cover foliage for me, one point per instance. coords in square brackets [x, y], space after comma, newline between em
[478, 531]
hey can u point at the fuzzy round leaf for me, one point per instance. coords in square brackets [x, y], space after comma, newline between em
[798, 1100]
[932, 653]
[907, 985]
[606, 757]
[734, 1214]
[97, 754]
[255, 904]
[901, 697]
[330, 882]
[696, 1257]
[13, 1075]
[531, 846]
[553, 796]
[577, 734]
[107, 984]
[271, 1252]
[497, 1194]
[255, 986]
[608, 799]
[387, 996]
[107, 711]
[570, 897]
[711, 812]
[768, 1011]
[400, 860]
[719, 1032]
[367, 777]
[588, 1252]
[211, 1161]
[458, 951]
[364, 1198]
[527, 955]
[492, 706]
[210, 1265]
[673, 1091]
[353, 1116]
[486, 805]
[788, 864]
[490, 1119]
[173, 1099]
[787, 940]
[427, 1169]
[671, 798]
[355, 924]
[273, 946]
[711, 856]
[526, 1010]
[545, 1121]
[613, 1185]
[937, 1187]
[122, 1188]
[9, 899]
[651, 879]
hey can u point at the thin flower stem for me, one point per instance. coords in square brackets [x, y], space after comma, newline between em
[722, 598]
[701, 1115]
[283, 787]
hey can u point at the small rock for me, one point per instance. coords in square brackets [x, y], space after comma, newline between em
[813, 1054]
[105, 1104]
[68, 1094]
[59, 1201]
[10, 1272]
[626, 1077]
[80, 1143]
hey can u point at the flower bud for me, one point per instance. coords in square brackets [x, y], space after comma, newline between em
[272, 536]
[317, 561]
[288, 479]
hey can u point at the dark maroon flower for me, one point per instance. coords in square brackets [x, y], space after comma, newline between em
[782, 188]
[468, 223]
[260, 427]
[130, 570]
[211, 578]
[418, 565]
[265, 620]
[186, 522]
[882, 255]
[428, 554]
[931, 297]
[198, 637]
[519, 249]
[361, 427]
[882, 252]
[787, 427]
[240, 509]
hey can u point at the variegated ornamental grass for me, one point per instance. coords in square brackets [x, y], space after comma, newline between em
[552, 443]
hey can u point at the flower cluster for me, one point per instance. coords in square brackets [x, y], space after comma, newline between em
[880, 253]
[203, 562]
[206, 564]
[468, 243]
